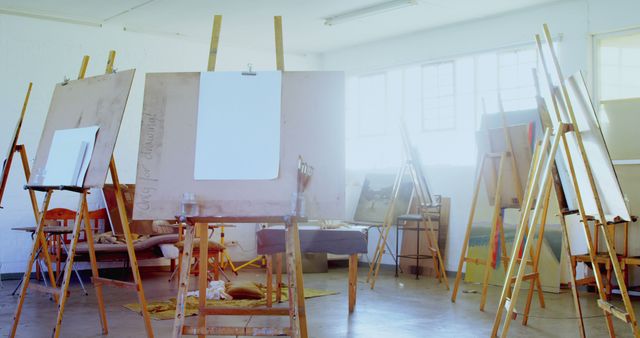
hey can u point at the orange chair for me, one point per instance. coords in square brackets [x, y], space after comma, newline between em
[215, 251]
[58, 241]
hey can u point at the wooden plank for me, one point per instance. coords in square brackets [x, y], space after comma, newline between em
[236, 331]
[215, 38]
[115, 283]
[258, 311]
[277, 24]
[617, 312]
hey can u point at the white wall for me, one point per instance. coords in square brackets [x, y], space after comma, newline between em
[574, 21]
[45, 52]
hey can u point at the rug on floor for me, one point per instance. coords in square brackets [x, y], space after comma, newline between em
[166, 309]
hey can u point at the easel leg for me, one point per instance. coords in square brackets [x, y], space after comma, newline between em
[202, 229]
[279, 277]
[388, 223]
[94, 267]
[27, 273]
[296, 285]
[433, 245]
[353, 281]
[494, 228]
[269, 280]
[36, 215]
[183, 284]
[133, 262]
[467, 234]
[68, 267]
[535, 256]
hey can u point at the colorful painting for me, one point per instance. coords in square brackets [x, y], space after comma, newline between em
[550, 256]
[376, 196]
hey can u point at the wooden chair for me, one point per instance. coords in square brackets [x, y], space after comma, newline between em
[58, 241]
[215, 252]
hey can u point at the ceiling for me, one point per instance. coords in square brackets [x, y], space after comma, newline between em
[249, 22]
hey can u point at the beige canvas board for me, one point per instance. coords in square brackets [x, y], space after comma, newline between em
[619, 122]
[94, 101]
[312, 126]
[493, 141]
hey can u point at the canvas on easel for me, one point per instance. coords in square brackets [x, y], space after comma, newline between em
[376, 195]
[311, 125]
[574, 116]
[98, 103]
[95, 101]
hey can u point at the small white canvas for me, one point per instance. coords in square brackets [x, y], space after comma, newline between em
[238, 126]
[69, 156]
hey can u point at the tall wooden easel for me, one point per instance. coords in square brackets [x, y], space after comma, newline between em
[497, 226]
[542, 183]
[21, 149]
[296, 310]
[425, 203]
[82, 216]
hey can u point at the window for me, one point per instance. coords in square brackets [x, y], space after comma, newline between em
[372, 102]
[515, 78]
[440, 102]
[618, 63]
[438, 96]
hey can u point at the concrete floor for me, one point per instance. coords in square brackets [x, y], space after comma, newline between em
[398, 307]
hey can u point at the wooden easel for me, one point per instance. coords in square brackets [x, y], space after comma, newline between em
[20, 148]
[296, 310]
[497, 226]
[425, 203]
[542, 183]
[83, 216]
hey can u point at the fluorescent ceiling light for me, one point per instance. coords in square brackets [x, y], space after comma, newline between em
[368, 11]
[48, 17]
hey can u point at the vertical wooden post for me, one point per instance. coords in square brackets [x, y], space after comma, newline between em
[279, 277]
[69, 264]
[94, 267]
[215, 38]
[494, 229]
[269, 280]
[277, 23]
[353, 281]
[183, 287]
[203, 249]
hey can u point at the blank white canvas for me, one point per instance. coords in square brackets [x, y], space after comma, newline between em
[605, 178]
[238, 126]
[69, 156]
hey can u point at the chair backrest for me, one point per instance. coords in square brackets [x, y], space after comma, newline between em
[65, 217]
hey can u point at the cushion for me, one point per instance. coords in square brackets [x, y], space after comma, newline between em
[213, 245]
[163, 227]
[244, 290]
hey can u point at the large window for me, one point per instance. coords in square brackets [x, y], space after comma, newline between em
[440, 102]
[618, 66]
[438, 96]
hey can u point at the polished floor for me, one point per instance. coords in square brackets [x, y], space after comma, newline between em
[398, 307]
